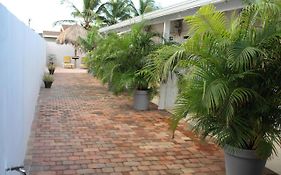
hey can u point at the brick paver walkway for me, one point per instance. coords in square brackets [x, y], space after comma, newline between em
[81, 128]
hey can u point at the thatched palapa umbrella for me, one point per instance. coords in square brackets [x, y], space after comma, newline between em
[72, 35]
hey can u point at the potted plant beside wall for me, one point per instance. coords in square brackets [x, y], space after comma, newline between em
[51, 63]
[51, 58]
[141, 45]
[51, 68]
[231, 89]
[48, 80]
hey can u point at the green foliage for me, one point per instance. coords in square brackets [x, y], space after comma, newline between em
[90, 42]
[117, 60]
[48, 78]
[101, 60]
[98, 13]
[51, 67]
[161, 63]
[114, 11]
[230, 76]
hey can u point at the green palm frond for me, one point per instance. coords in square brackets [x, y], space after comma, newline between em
[114, 11]
[207, 19]
[242, 56]
[172, 63]
[162, 62]
[119, 59]
[87, 15]
[90, 42]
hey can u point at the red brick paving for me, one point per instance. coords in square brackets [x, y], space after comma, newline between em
[81, 128]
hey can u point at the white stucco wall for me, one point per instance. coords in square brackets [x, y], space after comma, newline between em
[58, 50]
[23, 56]
[274, 163]
[168, 93]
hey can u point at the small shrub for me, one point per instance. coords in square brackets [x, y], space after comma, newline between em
[51, 58]
[48, 78]
[51, 67]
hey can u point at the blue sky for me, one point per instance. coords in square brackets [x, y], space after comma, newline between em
[44, 12]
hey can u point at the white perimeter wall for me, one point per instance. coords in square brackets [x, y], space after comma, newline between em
[22, 61]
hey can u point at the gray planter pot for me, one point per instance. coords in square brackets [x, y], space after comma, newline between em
[141, 100]
[242, 162]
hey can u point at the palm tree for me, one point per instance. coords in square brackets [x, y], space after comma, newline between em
[114, 11]
[231, 76]
[145, 6]
[232, 87]
[87, 15]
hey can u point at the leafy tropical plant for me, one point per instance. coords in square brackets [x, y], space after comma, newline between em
[90, 42]
[118, 59]
[231, 75]
[87, 16]
[51, 67]
[103, 56]
[162, 63]
[51, 58]
[48, 78]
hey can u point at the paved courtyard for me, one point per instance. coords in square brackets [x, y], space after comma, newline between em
[81, 128]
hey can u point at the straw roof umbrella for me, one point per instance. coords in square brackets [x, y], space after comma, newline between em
[72, 35]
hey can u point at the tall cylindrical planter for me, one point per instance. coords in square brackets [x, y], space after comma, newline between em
[48, 84]
[242, 162]
[51, 71]
[141, 100]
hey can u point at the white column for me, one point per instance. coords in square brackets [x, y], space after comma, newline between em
[163, 87]
[171, 91]
[167, 30]
[162, 96]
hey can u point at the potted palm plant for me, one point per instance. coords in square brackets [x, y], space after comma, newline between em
[119, 59]
[48, 80]
[230, 85]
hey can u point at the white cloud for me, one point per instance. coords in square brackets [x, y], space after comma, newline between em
[43, 13]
